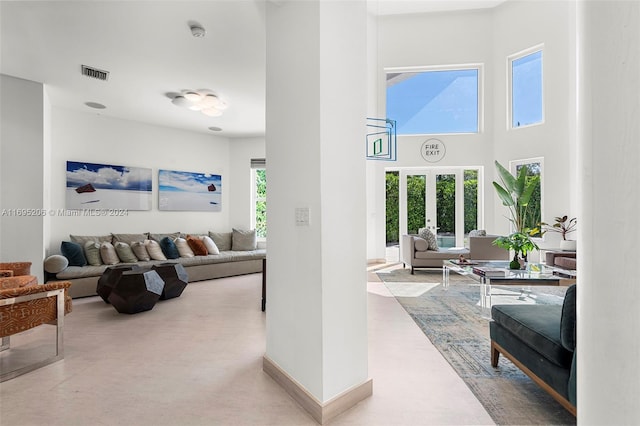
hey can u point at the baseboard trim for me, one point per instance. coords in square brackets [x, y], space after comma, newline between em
[320, 412]
[375, 261]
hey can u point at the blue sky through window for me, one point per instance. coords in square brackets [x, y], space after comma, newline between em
[526, 90]
[431, 102]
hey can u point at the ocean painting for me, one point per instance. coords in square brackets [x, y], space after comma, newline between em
[105, 186]
[188, 191]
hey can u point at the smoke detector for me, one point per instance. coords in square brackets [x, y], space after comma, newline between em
[197, 30]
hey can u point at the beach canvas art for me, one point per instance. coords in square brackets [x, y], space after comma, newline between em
[188, 191]
[106, 186]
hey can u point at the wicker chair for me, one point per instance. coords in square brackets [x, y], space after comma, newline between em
[24, 304]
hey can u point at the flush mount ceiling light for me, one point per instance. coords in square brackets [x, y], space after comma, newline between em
[202, 100]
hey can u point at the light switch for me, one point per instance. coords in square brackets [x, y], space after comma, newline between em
[302, 216]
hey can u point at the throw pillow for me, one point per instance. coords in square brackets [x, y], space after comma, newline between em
[55, 263]
[92, 253]
[222, 240]
[154, 250]
[129, 238]
[426, 234]
[183, 248]
[124, 252]
[140, 250]
[196, 244]
[74, 253]
[477, 233]
[210, 245]
[159, 237]
[82, 239]
[420, 244]
[169, 248]
[243, 240]
[108, 254]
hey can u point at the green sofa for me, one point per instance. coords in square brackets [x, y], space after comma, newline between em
[541, 341]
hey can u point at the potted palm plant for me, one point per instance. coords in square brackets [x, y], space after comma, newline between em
[515, 193]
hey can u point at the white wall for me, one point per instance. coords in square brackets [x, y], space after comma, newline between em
[93, 138]
[241, 151]
[609, 152]
[23, 116]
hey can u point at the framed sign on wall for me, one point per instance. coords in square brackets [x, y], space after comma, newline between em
[433, 150]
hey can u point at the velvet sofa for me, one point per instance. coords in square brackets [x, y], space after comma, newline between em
[228, 254]
[541, 341]
[414, 254]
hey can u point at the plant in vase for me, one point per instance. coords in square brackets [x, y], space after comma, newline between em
[564, 226]
[515, 193]
[520, 242]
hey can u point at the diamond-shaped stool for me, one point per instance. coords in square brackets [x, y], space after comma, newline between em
[136, 291]
[110, 278]
[175, 279]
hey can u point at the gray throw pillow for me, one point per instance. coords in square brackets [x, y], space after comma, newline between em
[140, 250]
[108, 254]
[55, 263]
[154, 250]
[222, 240]
[420, 244]
[243, 240]
[425, 234]
[92, 253]
[124, 252]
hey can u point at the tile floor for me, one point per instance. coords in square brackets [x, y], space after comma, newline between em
[197, 360]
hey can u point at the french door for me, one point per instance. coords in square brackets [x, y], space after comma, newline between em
[445, 201]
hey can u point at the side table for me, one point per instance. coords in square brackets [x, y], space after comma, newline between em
[175, 279]
[136, 291]
[110, 278]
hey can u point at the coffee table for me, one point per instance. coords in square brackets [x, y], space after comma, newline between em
[543, 276]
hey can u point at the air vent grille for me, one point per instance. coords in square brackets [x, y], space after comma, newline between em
[95, 73]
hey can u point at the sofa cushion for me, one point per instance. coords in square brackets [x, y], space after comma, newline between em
[55, 263]
[183, 248]
[427, 235]
[73, 252]
[420, 244]
[565, 262]
[159, 237]
[108, 254]
[537, 326]
[92, 253]
[140, 250]
[221, 239]
[154, 250]
[125, 253]
[568, 320]
[243, 240]
[169, 248]
[197, 246]
[129, 238]
[212, 248]
[82, 239]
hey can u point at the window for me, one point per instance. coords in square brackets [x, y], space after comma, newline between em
[534, 210]
[435, 101]
[525, 75]
[259, 197]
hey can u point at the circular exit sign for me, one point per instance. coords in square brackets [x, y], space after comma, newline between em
[433, 150]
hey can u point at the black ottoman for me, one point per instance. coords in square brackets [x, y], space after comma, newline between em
[175, 279]
[136, 291]
[110, 278]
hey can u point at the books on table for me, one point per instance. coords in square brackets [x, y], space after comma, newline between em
[490, 272]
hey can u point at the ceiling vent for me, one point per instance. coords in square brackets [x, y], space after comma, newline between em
[95, 73]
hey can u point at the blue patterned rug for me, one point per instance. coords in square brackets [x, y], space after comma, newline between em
[452, 320]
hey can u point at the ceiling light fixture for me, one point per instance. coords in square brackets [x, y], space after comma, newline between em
[203, 100]
[197, 30]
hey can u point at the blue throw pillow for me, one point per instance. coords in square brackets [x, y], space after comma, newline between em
[74, 253]
[169, 248]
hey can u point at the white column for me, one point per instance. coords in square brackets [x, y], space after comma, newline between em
[315, 135]
[609, 199]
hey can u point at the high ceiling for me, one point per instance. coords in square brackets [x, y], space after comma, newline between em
[149, 50]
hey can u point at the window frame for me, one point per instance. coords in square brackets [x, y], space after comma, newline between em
[510, 59]
[451, 67]
[255, 199]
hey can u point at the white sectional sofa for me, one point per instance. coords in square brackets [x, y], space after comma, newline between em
[228, 262]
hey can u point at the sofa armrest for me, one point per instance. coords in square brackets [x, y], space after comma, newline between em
[407, 249]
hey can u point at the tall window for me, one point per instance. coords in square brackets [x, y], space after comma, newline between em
[525, 72]
[259, 197]
[534, 210]
[435, 101]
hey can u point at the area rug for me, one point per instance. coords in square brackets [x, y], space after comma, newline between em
[452, 320]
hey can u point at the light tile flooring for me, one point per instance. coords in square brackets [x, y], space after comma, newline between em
[197, 360]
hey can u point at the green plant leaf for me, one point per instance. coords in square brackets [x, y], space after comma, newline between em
[507, 178]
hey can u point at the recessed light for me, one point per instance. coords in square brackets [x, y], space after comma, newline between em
[215, 129]
[95, 105]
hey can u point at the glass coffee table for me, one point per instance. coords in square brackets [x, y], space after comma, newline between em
[497, 272]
